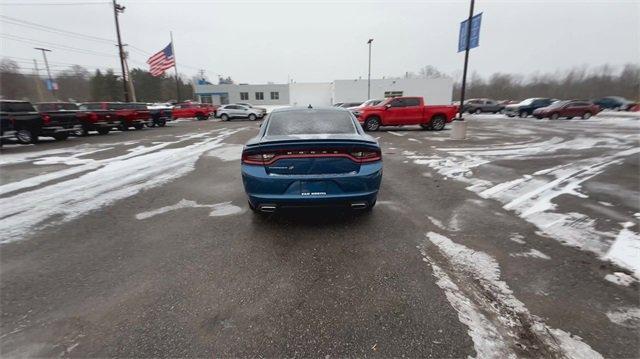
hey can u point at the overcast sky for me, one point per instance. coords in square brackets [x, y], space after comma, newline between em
[261, 41]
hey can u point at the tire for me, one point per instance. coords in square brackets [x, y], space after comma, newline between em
[586, 115]
[161, 123]
[511, 116]
[82, 132]
[438, 122]
[252, 117]
[554, 116]
[201, 117]
[477, 111]
[61, 136]
[26, 136]
[372, 124]
[539, 117]
[371, 205]
[570, 117]
[123, 126]
[138, 126]
[104, 131]
[523, 114]
[224, 117]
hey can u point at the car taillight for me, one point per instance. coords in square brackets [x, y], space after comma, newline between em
[46, 119]
[257, 158]
[367, 156]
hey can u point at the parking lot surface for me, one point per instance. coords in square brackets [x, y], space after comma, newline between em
[520, 241]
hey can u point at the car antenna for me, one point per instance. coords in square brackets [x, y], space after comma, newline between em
[309, 106]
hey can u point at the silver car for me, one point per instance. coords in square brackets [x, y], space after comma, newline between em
[228, 112]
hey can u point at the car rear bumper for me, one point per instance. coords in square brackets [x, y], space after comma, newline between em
[288, 191]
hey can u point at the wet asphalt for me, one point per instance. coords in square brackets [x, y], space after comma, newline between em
[304, 283]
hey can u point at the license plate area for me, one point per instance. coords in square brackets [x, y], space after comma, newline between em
[313, 188]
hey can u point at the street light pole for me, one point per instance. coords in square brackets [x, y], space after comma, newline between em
[117, 8]
[369, 76]
[46, 64]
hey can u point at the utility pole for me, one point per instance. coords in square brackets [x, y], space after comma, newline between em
[46, 64]
[117, 8]
[132, 89]
[38, 80]
[369, 76]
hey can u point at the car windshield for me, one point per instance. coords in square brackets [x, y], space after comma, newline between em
[559, 104]
[310, 122]
[528, 101]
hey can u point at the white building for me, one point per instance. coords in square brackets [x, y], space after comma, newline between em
[435, 92]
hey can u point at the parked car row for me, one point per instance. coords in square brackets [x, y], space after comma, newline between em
[26, 122]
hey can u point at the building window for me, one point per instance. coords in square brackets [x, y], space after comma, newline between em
[275, 95]
[260, 96]
[392, 94]
[206, 99]
[244, 96]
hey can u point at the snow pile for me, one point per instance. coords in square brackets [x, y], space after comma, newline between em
[499, 324]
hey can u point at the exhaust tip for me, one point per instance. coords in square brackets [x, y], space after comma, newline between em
[268, 208]
[359, 205]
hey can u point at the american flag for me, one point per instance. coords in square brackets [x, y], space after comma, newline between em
[161, 61]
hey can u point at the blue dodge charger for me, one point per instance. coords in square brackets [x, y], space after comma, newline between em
[311, 157]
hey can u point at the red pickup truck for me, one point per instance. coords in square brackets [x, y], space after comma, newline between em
[127, 115]
[197, 110]
[399, 111]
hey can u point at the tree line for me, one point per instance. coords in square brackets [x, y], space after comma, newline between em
[577, 83]
[78, 84]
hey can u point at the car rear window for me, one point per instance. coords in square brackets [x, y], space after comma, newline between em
[310, 122]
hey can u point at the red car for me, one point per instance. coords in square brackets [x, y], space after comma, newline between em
[401, 111]
[127, 114]
[201, 111]
[568, 109]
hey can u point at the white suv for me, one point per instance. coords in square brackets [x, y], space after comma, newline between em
[228, 112]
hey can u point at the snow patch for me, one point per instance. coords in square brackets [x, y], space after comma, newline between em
[105, 182]
[532, 253]
[518, 238]
[509, 314]
[625, 250]
[396, 133]
[620, 278]
[227, 153]
[627, 317]
[217, 209]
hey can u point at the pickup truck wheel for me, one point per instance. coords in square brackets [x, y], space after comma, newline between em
[438, 122]
[586, 116]
[524, 114]
[104, 131]
[372, 124]
[252, 117]
[82, 132]
[26, 136]
[61, 136]
[224, 117]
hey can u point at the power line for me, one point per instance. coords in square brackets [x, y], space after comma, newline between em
[50, 29]
[51, 3]
[54, 45]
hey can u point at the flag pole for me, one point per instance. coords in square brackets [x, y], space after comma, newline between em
[175, 66]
